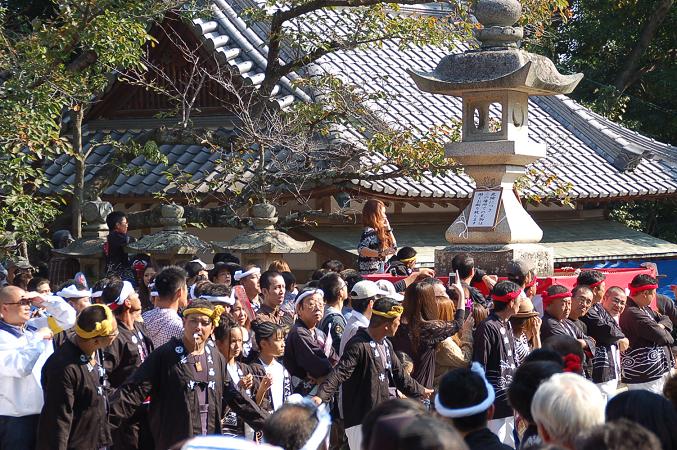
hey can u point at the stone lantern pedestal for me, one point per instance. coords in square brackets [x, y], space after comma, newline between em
[495, 83]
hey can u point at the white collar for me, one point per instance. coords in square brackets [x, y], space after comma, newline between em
[360, 318]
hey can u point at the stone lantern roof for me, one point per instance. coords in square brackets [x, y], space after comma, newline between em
[172, 240]
[265, 239]
[499, 64]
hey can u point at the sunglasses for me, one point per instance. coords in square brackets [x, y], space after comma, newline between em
[22, 302]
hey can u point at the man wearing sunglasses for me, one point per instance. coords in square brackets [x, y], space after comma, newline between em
[22, 343]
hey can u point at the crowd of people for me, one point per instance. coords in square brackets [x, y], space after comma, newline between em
[225, 355]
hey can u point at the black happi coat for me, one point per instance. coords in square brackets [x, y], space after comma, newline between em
[553, 327]
[120, 360]
[259, 372]
[74, 414]
[174, 406]
[494, 348]
[606, 332]
[365, 378]
[232, 424]
[484, 439]
[126, 353]
[649, 357]
[304, 356]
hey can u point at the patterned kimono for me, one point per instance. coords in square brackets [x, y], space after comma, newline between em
[649, 357]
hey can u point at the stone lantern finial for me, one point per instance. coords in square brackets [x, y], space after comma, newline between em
[498, 18]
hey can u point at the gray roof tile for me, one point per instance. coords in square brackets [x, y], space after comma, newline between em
[582, 147]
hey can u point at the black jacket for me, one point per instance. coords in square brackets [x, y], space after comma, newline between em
[366, 379]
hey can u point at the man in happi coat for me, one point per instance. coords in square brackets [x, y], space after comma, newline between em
[370, 371]
[187, 382]
[126, 354]
[494, 349]
[556, 322]
[74, 415]
[609, 340]
[648, 360]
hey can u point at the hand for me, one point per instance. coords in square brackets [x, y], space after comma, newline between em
[424, 272]
[36, 298]
[490, 280]
[45, 333]
[389, 251]
[266, 383]
[427, 393]
[582, 342]
[623, 344]
[317, 400]
[468, 326]
[246, 382]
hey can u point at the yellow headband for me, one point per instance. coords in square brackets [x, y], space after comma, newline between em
[406, 260]
[395, 312]
[103, 328]
[214, 315]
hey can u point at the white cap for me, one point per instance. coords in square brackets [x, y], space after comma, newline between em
[367, 289]
[387, 286]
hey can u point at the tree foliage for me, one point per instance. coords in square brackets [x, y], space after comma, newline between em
[626, 49]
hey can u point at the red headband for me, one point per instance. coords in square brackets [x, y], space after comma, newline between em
[547, 299]
[507, 297]
[533, 281]
[591, 285]
[634, 290]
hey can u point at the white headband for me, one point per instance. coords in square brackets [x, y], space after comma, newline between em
[73, 292]
[470, 410]
[200, 262]
[321, 431]
[127, 290]
[228, 300]
[97, 294]
[191, 292]
[240, 274]
[304, 294]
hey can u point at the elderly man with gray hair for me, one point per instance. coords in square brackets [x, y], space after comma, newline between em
[564, 406]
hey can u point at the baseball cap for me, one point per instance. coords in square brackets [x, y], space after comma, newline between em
[388, 287]
[366, 289]
[519, 268]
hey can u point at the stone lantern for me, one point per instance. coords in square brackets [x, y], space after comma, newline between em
[496, 79]
[171, 245]
[264, 244]
[88, 250]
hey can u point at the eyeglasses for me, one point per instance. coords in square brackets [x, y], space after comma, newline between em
[22, 302]
[112, 335]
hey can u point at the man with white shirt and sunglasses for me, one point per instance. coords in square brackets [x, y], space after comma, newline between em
[25, 343]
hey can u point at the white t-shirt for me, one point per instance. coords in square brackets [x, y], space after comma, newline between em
[277, 388]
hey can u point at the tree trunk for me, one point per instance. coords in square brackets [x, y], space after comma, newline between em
[79, 184]
[628, 75]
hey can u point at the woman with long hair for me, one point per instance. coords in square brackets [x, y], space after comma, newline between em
[377, 240]
[455, 352]
[242, 318]
[420, 328]
[144, 291]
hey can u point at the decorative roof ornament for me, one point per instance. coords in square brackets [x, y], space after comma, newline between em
[498, 18]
